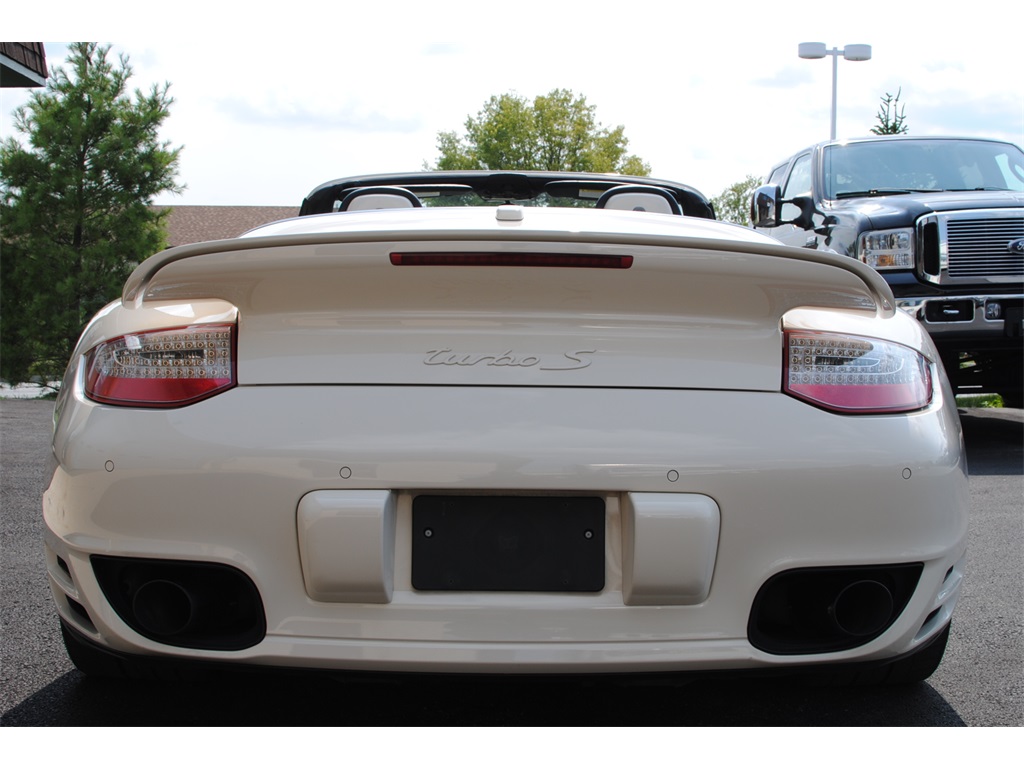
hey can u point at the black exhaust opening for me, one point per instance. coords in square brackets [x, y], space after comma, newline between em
[184, 604]
[820, 610]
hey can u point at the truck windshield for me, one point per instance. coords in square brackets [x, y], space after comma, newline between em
[921, 165]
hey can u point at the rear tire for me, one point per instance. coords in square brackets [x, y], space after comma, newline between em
[93, 661]
[921, 664]
[88, 659]
[915, 668]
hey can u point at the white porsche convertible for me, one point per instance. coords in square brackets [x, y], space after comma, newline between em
[506, 423]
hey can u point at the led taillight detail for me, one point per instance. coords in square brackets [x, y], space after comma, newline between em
[164, 368]
[855, 374]
[457, 259]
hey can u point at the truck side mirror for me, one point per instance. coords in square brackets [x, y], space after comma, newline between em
[806, 218]
[766, 208]
[766, 205]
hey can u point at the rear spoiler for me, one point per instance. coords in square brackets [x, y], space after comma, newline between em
[141, 280]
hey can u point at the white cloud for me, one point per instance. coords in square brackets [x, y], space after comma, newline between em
[349, 118]
[269, 109]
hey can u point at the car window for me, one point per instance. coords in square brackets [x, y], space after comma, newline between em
[1012, 169]
[798, 183]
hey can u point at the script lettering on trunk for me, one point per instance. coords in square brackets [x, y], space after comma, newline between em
[567, 361]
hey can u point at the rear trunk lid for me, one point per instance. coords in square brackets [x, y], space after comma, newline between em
[681, 304]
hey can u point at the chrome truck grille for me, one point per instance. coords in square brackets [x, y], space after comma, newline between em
[973, 246]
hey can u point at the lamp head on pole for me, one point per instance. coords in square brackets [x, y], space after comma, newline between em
[857, 52]
[812, 51]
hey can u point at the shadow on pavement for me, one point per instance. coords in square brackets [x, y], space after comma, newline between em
[995, 440]
[304, 699]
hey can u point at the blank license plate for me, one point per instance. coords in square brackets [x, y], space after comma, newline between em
[508, 543]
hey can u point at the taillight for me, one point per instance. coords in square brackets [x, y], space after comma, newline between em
[855, 374]
[164, 368]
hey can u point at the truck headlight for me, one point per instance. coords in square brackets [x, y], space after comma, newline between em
[887, 249]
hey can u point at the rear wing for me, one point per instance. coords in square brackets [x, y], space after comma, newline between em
[868, 291]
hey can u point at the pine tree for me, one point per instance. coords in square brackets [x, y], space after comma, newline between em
[891, 117]
[76, 206]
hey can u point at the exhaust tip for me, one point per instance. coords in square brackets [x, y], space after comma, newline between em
[829, 608]
[163, 608]
[183, 603]
[862, 608]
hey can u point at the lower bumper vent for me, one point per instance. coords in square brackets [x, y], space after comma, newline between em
[184, 604]
[820, 610]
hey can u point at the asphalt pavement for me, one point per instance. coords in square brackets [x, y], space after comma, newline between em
[980, 683]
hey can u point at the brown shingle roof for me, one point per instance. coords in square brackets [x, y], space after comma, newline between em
[198, 223]
[22, 65]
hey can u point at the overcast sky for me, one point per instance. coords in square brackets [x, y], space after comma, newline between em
[269, 106]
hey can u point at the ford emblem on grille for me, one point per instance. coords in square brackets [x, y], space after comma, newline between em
[1016, 246]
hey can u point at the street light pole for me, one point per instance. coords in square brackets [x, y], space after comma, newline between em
[850, 53]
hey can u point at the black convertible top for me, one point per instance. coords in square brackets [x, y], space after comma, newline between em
[497, 187]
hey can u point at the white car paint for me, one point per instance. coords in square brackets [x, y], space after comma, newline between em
[360, 385]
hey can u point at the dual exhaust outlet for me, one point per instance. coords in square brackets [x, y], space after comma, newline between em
[217, 607]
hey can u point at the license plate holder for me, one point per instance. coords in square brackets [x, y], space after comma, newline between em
[508, 543]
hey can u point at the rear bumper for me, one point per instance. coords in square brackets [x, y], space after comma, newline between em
[145, 665]
[707, 495]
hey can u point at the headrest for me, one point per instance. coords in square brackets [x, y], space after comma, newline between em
[638, 197]
[372, 198]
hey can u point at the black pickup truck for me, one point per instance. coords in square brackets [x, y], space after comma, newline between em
[942, 219]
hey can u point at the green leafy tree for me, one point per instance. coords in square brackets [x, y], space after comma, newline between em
[734, 202]
[75, 205]
[556, 132]
[892, 118]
